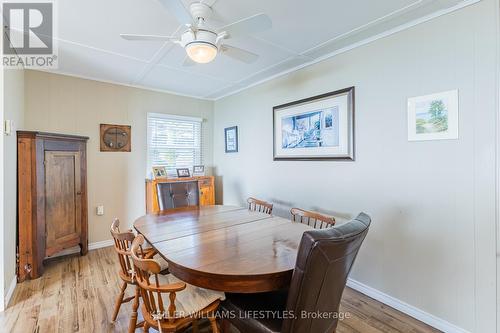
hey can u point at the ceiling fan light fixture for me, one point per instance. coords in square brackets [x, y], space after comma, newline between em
[201, 52]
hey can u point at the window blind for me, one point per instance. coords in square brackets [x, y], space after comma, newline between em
[174, 142]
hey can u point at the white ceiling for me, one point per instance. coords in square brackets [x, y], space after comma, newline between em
[303, 31]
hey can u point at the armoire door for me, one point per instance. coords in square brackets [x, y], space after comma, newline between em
[63, 200]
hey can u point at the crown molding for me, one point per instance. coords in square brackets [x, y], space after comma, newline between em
[136, 86]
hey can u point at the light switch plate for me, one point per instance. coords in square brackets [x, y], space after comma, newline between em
[100, 210]
[8, 127]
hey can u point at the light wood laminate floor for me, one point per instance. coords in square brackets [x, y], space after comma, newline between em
[77, 294]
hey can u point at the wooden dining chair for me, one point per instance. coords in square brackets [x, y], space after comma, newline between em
[324, 259]
[170, 304]
[260, 206]
[122, 244]
[313, 219]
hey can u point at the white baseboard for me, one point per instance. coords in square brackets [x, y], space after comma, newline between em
[10, 291]
[101, 244]
[76, 249]
[408, 309]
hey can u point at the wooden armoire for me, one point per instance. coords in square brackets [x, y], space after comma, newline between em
[52, 198]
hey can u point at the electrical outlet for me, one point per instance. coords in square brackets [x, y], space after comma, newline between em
[100, 210]
[8, 127]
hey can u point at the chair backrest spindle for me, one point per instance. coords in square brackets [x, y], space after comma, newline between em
[316, 220]
[123, 241]
[148, 271]
[260, 206]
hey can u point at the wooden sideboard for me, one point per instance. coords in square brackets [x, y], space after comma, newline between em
[206, 189]
[52, 198]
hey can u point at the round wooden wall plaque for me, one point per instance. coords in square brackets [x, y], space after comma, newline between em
[115, 137]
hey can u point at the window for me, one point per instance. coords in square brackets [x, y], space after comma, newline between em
[174, 142]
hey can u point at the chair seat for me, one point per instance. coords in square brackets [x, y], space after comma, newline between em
[190, 300]
[239, 306]
[163, 263]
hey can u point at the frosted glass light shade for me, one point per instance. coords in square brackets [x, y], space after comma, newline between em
[201, 52]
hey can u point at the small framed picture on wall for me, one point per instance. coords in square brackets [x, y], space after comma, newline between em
[231, 139]
[433, 117]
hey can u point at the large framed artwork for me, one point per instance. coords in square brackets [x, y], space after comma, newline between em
[316, 128]
[433, 117]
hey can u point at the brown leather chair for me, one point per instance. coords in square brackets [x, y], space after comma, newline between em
[178, 194]
[324, 260]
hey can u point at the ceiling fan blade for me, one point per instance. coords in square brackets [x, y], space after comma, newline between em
[239, 54]
[248, 25]
[188, 62]
[176, 8]
[147, 37]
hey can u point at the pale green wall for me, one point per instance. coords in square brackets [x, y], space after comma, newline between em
[432, 241]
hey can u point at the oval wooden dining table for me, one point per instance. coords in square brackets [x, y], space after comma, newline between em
[225, 248]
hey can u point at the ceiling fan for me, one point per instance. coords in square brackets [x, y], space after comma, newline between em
[202, 42]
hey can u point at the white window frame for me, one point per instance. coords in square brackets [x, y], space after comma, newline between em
[169, 117]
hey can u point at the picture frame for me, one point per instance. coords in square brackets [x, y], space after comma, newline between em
[183, 173]
[198, 170]
[231, 139]
[433, 116]
[315, 128]
[115, 138]
[159, 172]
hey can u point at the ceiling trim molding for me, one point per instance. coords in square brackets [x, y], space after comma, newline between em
[213, 96]
[58, 39]
[207, 76]
[84, 77]
[363, 42]
[164, 49]
[387, 17]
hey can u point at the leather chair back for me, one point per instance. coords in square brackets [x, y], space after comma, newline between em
[324, 260]
[178, 194]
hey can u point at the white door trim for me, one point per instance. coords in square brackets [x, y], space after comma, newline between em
[2, 216]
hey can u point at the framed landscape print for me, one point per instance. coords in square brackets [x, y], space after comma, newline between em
[433, 117]
[316, 128]
[231, 139]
